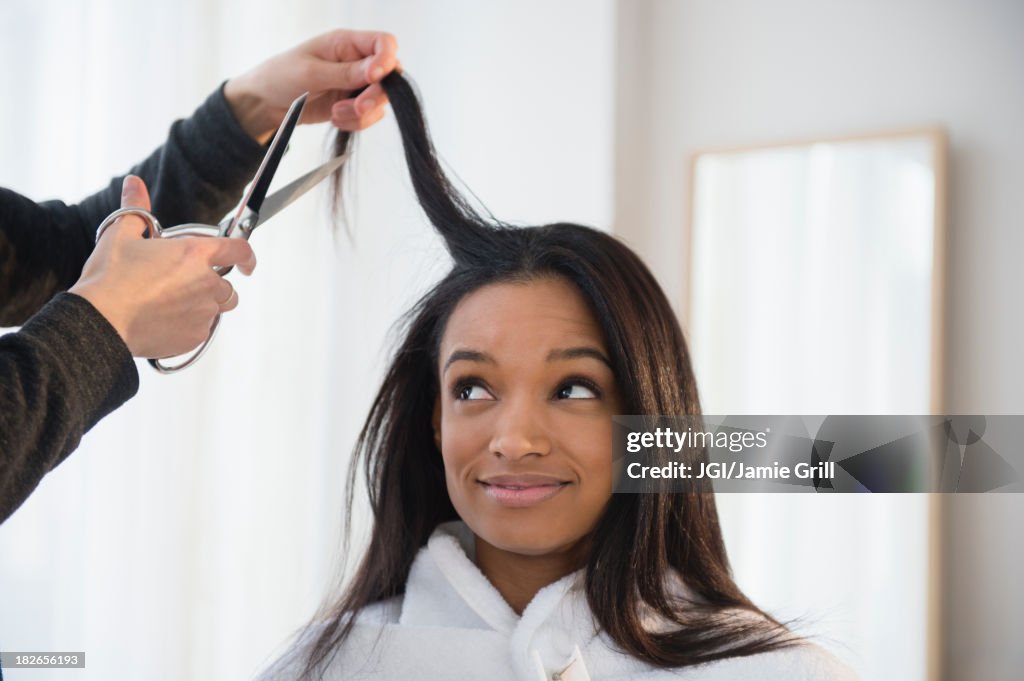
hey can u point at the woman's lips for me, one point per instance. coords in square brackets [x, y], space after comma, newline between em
[521, 491]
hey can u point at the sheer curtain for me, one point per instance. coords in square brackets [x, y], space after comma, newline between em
[198, 526]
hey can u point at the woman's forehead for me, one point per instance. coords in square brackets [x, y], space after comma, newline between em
[541, 314]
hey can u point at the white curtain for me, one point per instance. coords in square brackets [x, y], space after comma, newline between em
[199, 525]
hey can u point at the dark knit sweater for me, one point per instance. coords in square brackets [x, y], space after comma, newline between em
[67, 367]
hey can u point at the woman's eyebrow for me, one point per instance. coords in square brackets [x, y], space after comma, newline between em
[553, 356]
[577, 352]
[470, 355]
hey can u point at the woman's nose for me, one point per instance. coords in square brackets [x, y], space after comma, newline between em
[520, 431]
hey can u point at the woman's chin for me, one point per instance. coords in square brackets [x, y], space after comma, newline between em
[527, 539]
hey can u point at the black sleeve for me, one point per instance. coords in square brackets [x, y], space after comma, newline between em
[65, 370]
[196, 176]
[67, 367]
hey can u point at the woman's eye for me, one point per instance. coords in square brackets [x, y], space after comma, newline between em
[472, 392]
[576, 391]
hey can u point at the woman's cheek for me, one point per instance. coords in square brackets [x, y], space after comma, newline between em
[460, 446]
[588, 442]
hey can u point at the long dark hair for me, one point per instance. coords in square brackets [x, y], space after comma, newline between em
[645, 538]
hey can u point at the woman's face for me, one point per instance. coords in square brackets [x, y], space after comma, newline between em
[524, 418]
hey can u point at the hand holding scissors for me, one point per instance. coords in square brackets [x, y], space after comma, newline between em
[254, 209]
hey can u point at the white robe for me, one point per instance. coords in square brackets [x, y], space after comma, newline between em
[452, 623]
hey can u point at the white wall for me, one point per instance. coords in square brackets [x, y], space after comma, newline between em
[696, 74]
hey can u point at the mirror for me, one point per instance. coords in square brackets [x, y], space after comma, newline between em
[816, 270]
[816, 280]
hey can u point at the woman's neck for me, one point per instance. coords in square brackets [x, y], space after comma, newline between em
[519, 577]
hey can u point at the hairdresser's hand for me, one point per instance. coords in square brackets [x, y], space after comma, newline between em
[331, 67]
[161, 295]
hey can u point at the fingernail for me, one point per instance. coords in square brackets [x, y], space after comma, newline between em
[376, 73]
[369, 105]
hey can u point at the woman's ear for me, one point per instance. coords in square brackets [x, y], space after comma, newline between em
[435, 422]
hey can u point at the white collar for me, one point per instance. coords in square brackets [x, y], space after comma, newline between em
[445, 569]
[446, 589]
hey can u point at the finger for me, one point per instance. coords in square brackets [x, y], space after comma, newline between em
[366, 101]
[371, 101]
[370, 98]
[346, 118]
[328, 75]
[345, 75]
[370, 118]
[346, 45]
[225, 252]
[375, 50]
[133, 195]
[385, 57]
[231, 303]
[343, 112]
[227, 297]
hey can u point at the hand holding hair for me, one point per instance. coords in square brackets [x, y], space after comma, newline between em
[341, 70]
[161, 295]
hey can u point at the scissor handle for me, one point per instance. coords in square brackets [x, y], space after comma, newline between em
[156, 231]
[193, 358]
[152, 223]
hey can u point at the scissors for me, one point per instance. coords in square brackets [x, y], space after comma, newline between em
[254, 209]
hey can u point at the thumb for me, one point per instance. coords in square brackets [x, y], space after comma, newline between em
[134, 195]
[346, 75]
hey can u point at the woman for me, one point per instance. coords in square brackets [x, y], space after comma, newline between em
[498, 549]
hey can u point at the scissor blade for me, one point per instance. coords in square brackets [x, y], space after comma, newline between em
[285, 196]
[257, 192]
